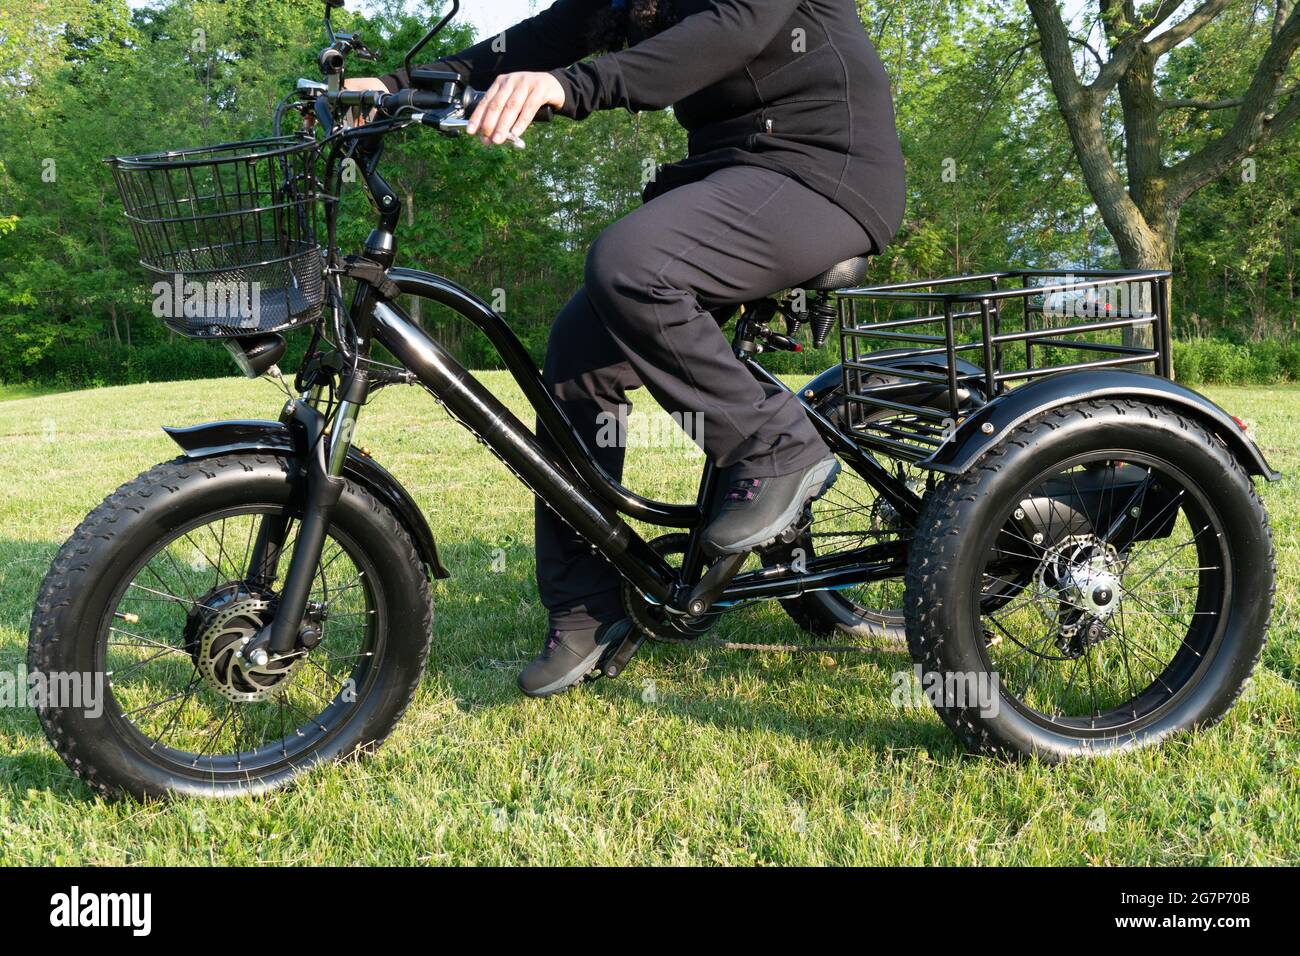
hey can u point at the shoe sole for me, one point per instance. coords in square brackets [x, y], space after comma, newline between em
[572, 678]
[815, 484]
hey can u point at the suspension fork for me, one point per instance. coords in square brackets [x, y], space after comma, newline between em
[324, 482]
[322, 459]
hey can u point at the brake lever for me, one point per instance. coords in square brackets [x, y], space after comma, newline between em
[456, 123]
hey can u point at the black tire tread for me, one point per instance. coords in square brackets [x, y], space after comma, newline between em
[95, 535]
[947, 511]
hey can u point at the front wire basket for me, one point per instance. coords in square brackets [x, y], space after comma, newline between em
[233, 229]
[919, 356]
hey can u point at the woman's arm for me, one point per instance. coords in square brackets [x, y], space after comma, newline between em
[689, 56]
[556, 37]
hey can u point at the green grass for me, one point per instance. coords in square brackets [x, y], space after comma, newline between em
[698, 755]
[9, 392]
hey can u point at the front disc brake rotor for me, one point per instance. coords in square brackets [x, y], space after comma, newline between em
[219, 660]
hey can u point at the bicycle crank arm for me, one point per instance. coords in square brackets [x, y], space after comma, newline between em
[714, 582]
[617, 661]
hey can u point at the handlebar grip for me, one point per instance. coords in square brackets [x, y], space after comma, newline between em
[474, 97]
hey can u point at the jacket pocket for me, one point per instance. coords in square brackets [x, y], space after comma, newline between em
[817, 74]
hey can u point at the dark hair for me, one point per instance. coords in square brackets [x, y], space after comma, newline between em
[609, 28]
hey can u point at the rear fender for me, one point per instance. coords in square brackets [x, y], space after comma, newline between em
[985, 427]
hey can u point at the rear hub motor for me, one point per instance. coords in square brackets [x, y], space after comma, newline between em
[1080, 580]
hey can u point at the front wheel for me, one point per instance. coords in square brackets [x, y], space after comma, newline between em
[1142, 565]
[147, 605]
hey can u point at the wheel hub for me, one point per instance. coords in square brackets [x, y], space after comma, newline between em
[1081, 578]
[230, 618]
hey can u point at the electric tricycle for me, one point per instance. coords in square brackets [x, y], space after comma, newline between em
[1068, 543]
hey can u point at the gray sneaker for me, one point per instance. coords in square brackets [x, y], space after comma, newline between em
[569, 656]
[756, 511]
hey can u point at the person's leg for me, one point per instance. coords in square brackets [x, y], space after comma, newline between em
[654, 276]
[657, 281]
[589, 376]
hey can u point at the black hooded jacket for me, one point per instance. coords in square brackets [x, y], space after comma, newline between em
[794, 86]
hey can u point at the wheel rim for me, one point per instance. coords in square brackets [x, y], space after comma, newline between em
[1095, 633]
[851, 516]
[167, 648]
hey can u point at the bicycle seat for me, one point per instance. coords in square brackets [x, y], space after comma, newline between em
[842, 275]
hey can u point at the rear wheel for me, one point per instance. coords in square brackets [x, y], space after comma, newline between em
[152, 598]
[1143, 568]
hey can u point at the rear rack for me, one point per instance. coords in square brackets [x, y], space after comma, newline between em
[920, 356]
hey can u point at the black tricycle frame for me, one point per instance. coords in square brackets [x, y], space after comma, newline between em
[316, 431]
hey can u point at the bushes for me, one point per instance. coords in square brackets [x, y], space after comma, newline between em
[97, 365]
[1218, 362]
[1196, 362]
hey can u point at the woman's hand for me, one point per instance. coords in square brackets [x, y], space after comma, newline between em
[511, 104]
[364, 83]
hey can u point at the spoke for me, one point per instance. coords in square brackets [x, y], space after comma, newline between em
[1163, 564]
[339, 685]
[148, 660]
[189, 694]
[298, 710]
[1141, 494]
[1092, 685]
[1123, 649]
[1160, 619]
[221, 549]
[212, 739]
[243, 568]
[146, 641]
[147, 707]
[1026, 647]
[1137, 535]
[167, 595]
[1069, 685]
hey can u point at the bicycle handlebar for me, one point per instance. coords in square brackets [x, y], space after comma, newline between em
[421, 101]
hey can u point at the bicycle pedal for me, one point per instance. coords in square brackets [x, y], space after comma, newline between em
[797, 530]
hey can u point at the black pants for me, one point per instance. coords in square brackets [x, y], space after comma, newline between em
[657, 282]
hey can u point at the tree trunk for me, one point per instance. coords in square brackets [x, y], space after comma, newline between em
[1149, 249]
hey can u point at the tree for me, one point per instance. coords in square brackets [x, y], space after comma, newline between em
[1141, 194]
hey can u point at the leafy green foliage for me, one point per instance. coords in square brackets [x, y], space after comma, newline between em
[993, 180]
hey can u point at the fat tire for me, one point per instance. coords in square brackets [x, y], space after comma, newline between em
[953, 517]
[73, 601]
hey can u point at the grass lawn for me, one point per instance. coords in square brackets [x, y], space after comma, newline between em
[11, 392]
[697, 755]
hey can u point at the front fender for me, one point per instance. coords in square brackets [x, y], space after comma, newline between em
[275, 438]
[987, 426]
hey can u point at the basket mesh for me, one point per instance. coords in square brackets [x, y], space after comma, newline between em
[233, 230]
